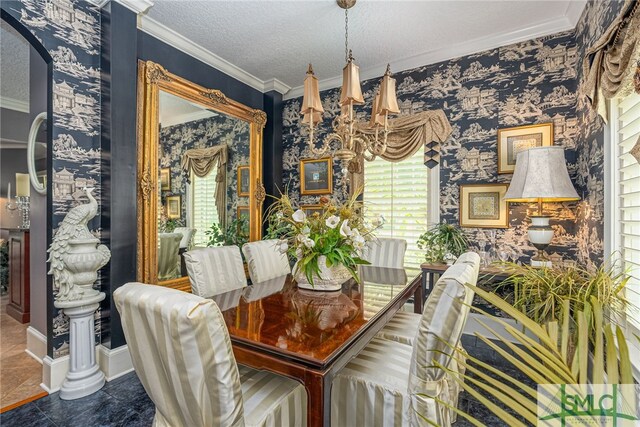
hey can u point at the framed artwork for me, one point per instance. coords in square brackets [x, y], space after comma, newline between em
[243, 227]
[174, 207]
[165, 179]
[511, 141]
[243, 181]
[316, 176]
[483, 206]
[311, 209]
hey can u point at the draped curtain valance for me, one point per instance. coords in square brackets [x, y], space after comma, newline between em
[407, 134]
[202, 161]
[610, 63]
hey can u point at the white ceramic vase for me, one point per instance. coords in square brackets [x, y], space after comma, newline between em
[331, 278]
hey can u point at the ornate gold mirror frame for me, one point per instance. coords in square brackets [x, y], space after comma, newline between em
[152, 78]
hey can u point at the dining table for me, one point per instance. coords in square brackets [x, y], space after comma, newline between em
[310, 335]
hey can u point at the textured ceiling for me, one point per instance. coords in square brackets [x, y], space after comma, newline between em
[278, 38]
[14, 64]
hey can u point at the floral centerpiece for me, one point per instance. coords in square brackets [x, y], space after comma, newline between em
[328, 246]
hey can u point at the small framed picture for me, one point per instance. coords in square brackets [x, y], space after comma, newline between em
[316, 176]
[511, 141]
[311, 209]
[243, 226]
[483, 206]
[174, 207]
[243, 181]
[165, 179]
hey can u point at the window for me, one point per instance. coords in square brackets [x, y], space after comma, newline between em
[401, 193]
[624, 223]
[203, 206]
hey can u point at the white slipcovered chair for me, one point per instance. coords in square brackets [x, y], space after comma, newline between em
[403, 326]
[386, 252]
[380, 386]
[215, 270]
[169, 255]
[265, 261]
[187, 236]
[181, 351]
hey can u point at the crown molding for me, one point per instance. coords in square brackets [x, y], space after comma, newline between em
[469, 47]
[574, 11]
[14, 104]
[187, 117]
[180, 42]
[276, 85]
[136, 6]
[99, 3]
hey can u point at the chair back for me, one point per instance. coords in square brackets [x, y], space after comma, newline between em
[386, 252]
[187, 235]
[442, 323]
[181, 351]
[215, 270]
[265, 261]
[168, 255]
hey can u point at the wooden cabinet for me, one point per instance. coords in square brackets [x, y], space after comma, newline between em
[19, 295]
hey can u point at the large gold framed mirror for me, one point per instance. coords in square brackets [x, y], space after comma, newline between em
[199, 173]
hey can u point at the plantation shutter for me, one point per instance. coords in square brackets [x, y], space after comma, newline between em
[629, 197]
[399, 192]
[203, 209]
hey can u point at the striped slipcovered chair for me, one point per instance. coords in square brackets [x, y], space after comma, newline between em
[380, 386]
[265, 261]
[215, 270]
[386, 252]
[187, 236]
[181, 351]
[169, 255]
[403, 326]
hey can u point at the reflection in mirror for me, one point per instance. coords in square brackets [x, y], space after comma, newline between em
[200, 152]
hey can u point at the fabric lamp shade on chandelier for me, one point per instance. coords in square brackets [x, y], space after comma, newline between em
[541, 176]
[347, 128]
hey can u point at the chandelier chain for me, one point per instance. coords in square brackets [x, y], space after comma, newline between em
[346, 35]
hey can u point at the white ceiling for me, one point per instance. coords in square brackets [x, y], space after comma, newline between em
[14, 68]
[276, 39]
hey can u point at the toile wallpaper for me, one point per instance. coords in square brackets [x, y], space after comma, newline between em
[203, 133]
[70, 31]
[531, 82]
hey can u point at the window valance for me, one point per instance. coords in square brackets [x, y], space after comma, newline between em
[202, 161]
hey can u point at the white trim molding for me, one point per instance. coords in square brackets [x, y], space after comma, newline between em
[136, 6]
[277, 85]
[14, 104]
[36, 344]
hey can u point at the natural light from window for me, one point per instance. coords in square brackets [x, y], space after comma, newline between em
[203, 206]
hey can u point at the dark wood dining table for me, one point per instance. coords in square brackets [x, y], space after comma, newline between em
[309, 335]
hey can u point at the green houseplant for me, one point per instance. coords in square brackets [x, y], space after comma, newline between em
[441, 241]
[230, 236]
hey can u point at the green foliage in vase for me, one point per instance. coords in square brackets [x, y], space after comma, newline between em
[441, 240]
[231, 236]
[168, 226]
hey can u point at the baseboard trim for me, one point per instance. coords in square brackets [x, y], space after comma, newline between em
[36, 344]
[114, 363]
[53, 373]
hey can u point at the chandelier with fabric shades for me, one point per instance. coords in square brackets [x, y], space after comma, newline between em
[356, 138]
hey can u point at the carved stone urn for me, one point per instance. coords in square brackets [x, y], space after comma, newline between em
[83, 259]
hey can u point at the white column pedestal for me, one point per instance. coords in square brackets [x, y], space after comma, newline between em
[84, 376]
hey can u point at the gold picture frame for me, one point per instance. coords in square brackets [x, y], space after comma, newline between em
[242, 211]
[243, 180]
[483, 206]
[316, 176]
[174, 207]
[165, 179]
[311, 209]
[513, 140]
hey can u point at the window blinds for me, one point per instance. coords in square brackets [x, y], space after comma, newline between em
[203, 205]
[628, 127]
[399, 192]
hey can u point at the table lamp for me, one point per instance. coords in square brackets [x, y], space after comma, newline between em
[541, 176]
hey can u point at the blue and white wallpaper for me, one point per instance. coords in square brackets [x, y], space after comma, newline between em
[204, 133]
[525, 83]
[70, 31]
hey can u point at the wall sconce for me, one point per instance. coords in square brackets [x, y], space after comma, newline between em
[23, 193]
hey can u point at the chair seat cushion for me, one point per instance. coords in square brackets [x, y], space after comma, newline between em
[272, 400]
[402, 328]
[372, 388]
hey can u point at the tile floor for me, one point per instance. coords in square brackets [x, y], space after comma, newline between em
[20, 374]
[123, 402]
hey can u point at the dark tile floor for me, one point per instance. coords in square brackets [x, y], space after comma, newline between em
[123, 402]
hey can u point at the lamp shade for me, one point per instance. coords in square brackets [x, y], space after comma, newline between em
[388, 100]
[351, 92]
[311, 100]
[541, 175]
[316, 116]
[377, 119]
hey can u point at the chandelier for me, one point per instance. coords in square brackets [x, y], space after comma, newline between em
[356, 139]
